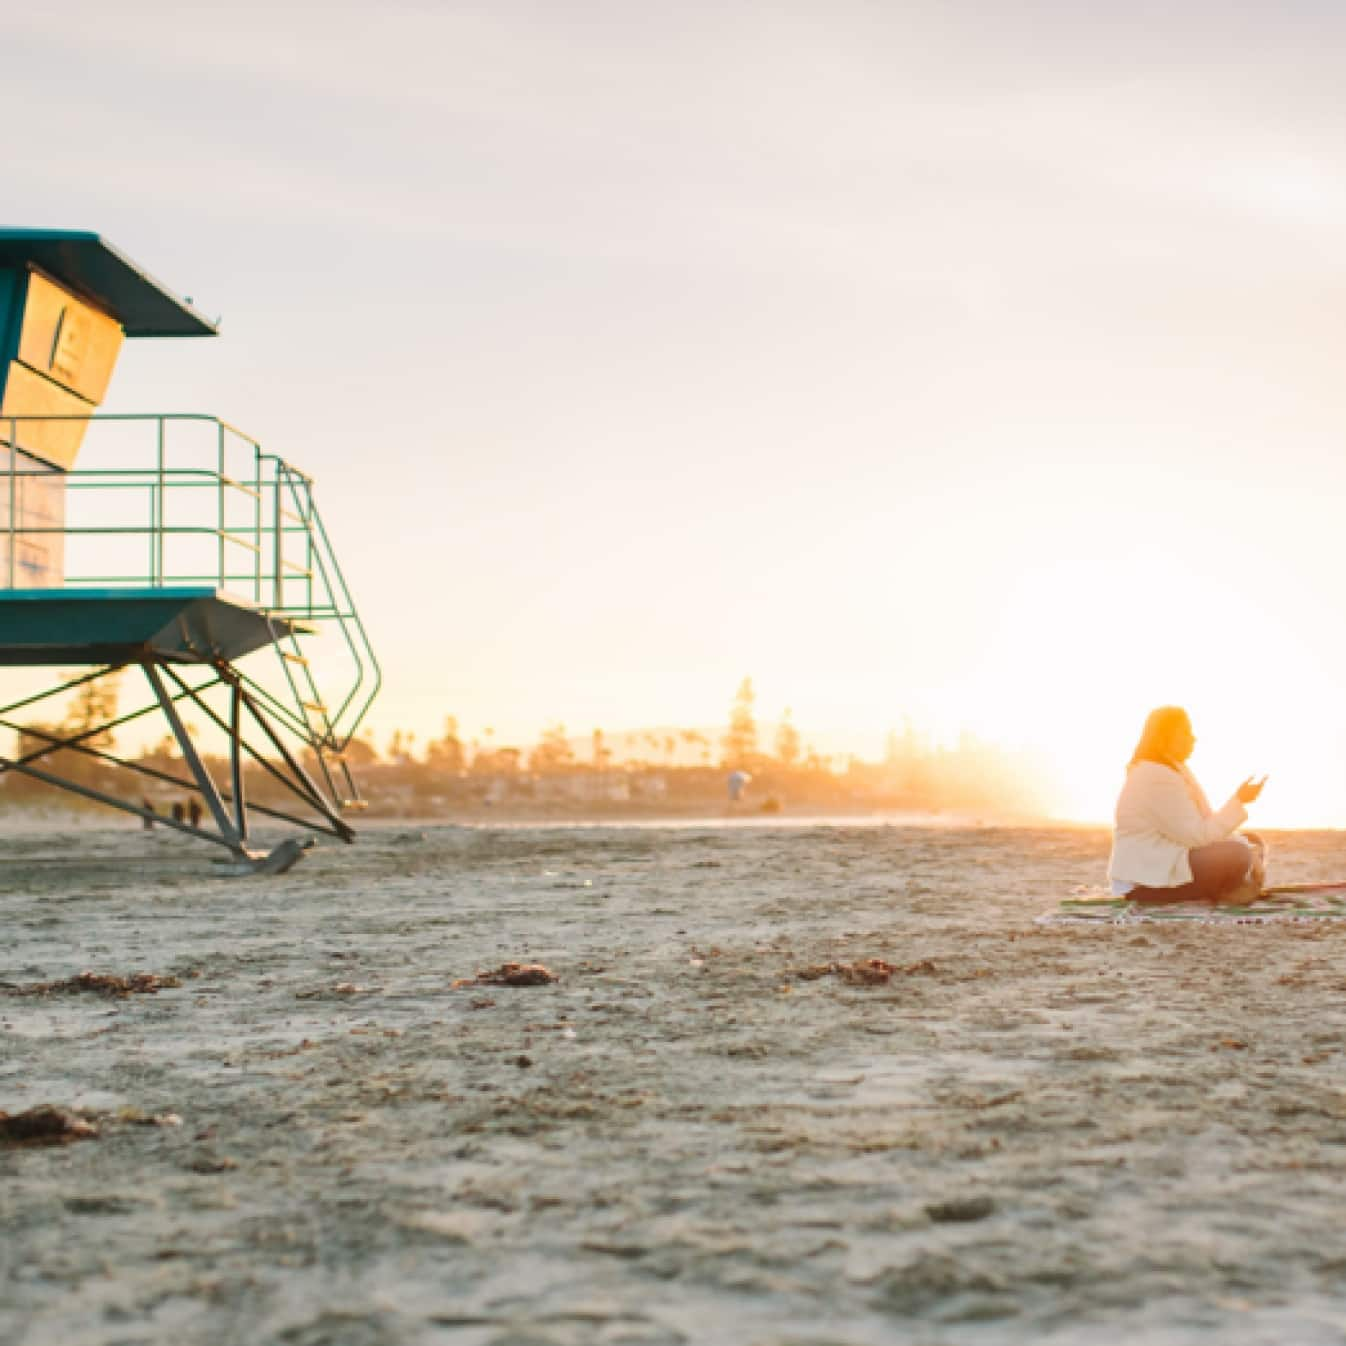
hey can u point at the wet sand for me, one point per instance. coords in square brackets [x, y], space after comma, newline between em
[1029, 1134]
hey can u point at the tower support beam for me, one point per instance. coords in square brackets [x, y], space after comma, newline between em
[228, 806]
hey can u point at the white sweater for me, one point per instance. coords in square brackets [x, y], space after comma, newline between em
[1161, 815]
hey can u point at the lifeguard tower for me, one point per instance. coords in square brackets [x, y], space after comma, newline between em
[171, 547]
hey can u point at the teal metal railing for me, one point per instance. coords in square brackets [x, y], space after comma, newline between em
[190, 501]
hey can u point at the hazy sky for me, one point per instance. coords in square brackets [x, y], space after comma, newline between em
[977, 361]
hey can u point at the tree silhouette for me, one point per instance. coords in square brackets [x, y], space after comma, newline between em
[360, 751]
[787, 741]
[553, 752]
[446, 753]
[740, 743]
[402, 746]
[94, 703]
[602, 753]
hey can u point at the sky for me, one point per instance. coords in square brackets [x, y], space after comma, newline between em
[977, 363]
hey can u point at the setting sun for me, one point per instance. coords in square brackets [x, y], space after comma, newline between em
[1084, 646]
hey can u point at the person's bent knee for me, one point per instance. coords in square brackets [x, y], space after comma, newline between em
[1220, 867]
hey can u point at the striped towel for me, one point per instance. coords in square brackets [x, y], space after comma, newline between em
[1283, 902]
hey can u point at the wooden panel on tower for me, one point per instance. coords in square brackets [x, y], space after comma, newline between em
[66, 340]
[26, 395]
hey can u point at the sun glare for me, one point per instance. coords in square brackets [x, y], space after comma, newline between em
[1064, 676]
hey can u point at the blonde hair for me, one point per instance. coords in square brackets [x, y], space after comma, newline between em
[1161, 725]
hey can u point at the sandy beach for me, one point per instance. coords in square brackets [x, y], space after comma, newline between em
[697, 1133]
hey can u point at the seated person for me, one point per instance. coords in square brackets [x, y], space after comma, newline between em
[1169, 845]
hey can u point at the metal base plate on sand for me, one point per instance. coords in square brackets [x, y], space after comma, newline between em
[275, 861]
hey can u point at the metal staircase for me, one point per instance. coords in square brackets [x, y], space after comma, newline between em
[309, 593]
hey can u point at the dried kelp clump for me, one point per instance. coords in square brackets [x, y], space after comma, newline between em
[866, 972]
[101, 983]
[869, 972]
[43, 1125]
[337, 991]
[511, 974]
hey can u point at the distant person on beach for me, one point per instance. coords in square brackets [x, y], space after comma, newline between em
[1169, 845]
[738, 783]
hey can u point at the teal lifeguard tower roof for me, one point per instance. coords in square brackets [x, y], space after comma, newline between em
[92, 268]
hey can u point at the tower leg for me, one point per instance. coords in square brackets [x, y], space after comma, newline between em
[236, 761]
[229, 830]
[228, 807]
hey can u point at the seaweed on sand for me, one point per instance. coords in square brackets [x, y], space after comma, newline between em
[43, 1125]
[863, 972]
[511, 974]
[100, 983]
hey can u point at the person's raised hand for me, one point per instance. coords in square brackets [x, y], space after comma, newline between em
[1247, 792]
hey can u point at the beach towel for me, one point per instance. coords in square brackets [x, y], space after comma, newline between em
[1282, 902]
